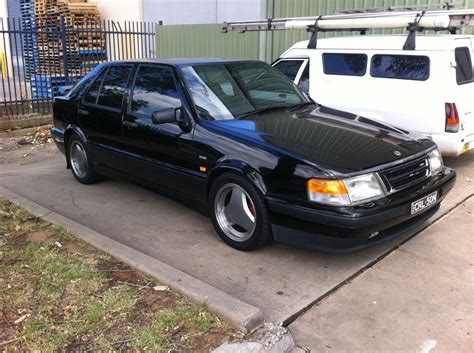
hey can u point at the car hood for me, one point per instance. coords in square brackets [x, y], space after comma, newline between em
[339, 141]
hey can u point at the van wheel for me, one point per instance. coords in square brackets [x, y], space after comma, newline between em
[81, 162]
[239, 212]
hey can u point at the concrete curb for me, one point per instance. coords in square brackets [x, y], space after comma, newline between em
[243, 316]
[25, 122]
[269, 338]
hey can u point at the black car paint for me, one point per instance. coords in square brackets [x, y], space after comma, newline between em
[279, 151]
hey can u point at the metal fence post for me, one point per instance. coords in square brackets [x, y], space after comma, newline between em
[64, 49]
[38, 54]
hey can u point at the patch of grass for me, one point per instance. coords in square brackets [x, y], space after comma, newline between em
[77, 301]
[62, 233]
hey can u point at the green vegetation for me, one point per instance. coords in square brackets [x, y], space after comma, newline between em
[58, 293]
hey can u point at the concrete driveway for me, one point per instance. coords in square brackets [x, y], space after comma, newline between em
[280, 280]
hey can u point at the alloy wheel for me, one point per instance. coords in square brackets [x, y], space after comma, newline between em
[78, 157]
[235, 212]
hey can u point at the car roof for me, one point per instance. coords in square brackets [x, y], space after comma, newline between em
[385, 42]
[181, 61]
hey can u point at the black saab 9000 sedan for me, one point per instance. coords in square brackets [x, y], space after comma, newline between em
[240, 142]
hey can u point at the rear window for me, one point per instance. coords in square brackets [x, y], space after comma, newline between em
[345, 64]
[289, 68]
[402, 67]
[463, 65]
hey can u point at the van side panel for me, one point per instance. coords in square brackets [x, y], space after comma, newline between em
[418, 106]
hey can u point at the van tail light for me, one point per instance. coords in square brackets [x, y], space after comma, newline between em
[452, 118]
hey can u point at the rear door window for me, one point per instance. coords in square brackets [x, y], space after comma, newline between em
[402, 67]
[463, 65]
[344, 64]
[289, 68]
[114, 86]
[93, 92]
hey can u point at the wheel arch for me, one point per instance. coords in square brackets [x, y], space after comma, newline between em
[239, 167]
[70, 131]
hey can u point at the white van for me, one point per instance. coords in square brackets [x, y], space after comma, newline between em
[429, 90]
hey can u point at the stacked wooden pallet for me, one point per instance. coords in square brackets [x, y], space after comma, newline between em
[85, 19]
[74, 48]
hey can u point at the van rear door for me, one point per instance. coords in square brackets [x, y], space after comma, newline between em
[464, 97]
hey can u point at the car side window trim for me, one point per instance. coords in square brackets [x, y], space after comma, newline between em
[96, 105]
[101, 77]
[132, 87]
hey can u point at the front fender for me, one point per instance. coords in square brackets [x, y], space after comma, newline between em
[226, 165]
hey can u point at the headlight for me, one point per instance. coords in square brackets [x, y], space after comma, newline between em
[436, 162]
[345, 192]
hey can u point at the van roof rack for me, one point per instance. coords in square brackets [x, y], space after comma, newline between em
[413, 20]
[427, 7]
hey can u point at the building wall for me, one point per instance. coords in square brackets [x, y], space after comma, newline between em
[205, 40]
[182, 40]
[120, 10]
[199, 11]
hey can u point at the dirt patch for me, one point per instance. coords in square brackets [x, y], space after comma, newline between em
[39, 236]
[37, 145]
[121, 273]
[77, 248]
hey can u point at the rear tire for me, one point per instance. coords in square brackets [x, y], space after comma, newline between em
[80, 161]
[239, 212]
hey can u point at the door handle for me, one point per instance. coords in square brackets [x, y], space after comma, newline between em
[83, 112]
[129, 124]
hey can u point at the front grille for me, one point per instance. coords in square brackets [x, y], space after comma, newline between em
[406, 174]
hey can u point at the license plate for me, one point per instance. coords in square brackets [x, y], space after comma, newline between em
[423, 203]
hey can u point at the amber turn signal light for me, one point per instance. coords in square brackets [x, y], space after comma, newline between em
[329, 187]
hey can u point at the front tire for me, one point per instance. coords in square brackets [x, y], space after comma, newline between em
[239, 212]
[80, 161]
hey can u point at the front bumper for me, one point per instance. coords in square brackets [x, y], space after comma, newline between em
[354, 228]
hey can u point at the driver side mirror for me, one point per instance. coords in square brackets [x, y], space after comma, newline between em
[166, 115]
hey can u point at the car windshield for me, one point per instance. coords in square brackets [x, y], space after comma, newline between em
[234, 90]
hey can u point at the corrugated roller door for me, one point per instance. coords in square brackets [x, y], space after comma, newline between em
[14, 15]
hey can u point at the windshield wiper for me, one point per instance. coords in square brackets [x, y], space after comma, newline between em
[263, 110]
[301, 105]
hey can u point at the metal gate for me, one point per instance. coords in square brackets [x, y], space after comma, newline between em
[37, 58]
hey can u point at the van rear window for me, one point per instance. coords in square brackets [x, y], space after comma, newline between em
[344, 64]
[402, 67]
[463, 65]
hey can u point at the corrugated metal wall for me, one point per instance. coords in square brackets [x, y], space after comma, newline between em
[207, 40]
